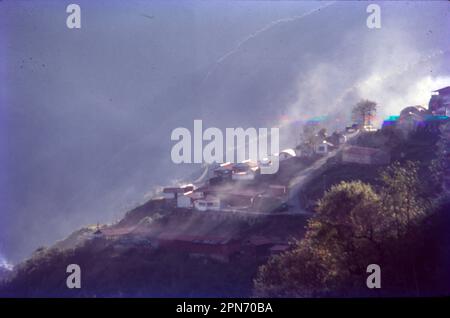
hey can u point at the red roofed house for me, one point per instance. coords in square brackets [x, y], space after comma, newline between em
[365, 155]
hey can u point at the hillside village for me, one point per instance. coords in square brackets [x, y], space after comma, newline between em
[238, 191]
[241, 187]
[240, 217]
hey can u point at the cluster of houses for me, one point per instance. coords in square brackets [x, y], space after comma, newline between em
[232, 187]
[410, 119]
[236, 186]
[321, 144]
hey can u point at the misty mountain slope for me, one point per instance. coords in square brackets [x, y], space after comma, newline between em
[123, 261]
[89, 114]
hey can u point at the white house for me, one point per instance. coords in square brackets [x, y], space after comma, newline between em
[184, 201]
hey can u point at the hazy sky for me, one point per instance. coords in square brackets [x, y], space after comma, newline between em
[86, 115]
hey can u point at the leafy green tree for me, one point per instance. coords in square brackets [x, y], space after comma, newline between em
[401, 198]
[308, 133]
[364, 111]
[340, 239]
[354, 226]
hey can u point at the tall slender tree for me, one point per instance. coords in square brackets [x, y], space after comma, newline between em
[364, 111]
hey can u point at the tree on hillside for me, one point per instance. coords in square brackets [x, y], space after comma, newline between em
[340, 239]
[364, 111]
[401, 197]
[309, 137]
[354, 226]
[308, 133]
